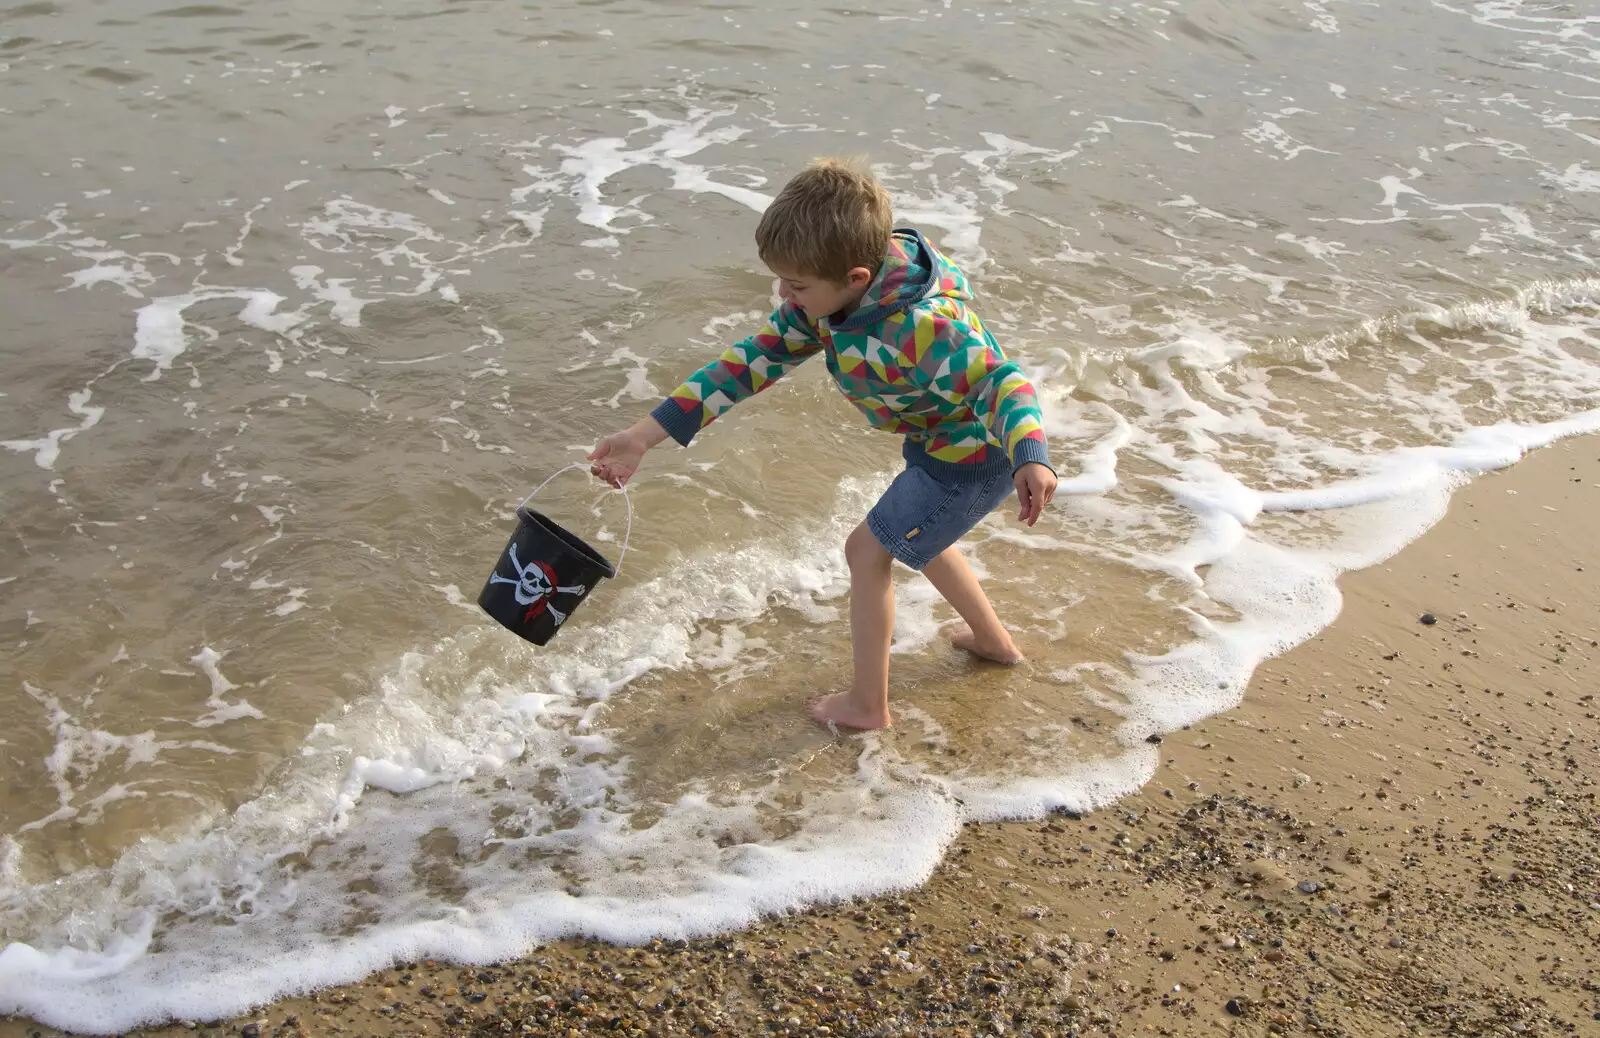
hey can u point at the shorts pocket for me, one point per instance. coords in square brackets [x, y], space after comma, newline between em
[914, 506]
[988, 497]
[929, 522]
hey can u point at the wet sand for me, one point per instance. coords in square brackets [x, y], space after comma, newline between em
[1397, 832]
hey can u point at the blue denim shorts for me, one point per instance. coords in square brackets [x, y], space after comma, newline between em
[921, 515]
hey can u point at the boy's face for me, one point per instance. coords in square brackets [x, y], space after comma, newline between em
[822, 297]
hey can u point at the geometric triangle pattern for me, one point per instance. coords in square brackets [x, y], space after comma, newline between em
[748, 367]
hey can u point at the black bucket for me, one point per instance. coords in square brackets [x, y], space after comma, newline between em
[543, 575]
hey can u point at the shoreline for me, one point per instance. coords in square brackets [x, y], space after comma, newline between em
[1395, 832]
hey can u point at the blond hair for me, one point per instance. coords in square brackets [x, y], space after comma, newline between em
[832, 217]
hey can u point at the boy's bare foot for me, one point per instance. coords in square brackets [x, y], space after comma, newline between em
[841, 708]
[1000, 652]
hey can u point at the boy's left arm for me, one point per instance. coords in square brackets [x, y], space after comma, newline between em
[977, 373]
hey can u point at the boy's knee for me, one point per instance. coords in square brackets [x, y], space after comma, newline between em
[862, 552]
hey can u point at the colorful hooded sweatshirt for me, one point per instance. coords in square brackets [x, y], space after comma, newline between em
[911, 356]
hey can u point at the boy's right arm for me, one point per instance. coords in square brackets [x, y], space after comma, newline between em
[743, 370]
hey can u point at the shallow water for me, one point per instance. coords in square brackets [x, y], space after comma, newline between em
[299, 302]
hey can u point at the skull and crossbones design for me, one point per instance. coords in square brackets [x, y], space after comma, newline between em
[536, 585]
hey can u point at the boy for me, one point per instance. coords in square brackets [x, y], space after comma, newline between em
[889, 313]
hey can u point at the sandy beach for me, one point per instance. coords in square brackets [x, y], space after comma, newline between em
[1396, 833]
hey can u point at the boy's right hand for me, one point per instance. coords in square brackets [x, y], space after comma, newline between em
[616, 457]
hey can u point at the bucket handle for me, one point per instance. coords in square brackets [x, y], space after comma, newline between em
[627, 530]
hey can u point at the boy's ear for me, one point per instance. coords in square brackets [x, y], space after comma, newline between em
[859, 277]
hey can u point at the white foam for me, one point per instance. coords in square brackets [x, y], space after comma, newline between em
[956, 212]
[638, 385]
[532, 220]
[231, 254]
[724, 323]
[349, 226]
[1081, 788]
[1268, 131]
[1413, 470]
[453, 595]
[1321, 19]
[953, 206]
[1576, 177]
[1316, 247]
[161, 329]
[107, 265]
[1097, 466]
[209, 661]
[81, 752]
[47, 448]
[594, 162]
[345, 307]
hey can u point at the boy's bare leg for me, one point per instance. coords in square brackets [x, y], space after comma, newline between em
[866, 705]
[983, 635]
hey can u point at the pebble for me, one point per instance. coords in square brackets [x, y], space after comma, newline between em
[1428, 619]
[1396, 942]
[1308, 886]
[1234, 1007]
[1230, 943]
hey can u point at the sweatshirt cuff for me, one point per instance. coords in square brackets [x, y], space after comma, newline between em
[681, 425]
[1029, 452]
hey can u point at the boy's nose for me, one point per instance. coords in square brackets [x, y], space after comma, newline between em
[784, 291]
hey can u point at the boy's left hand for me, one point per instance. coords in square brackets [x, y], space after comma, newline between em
[1036, 486]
